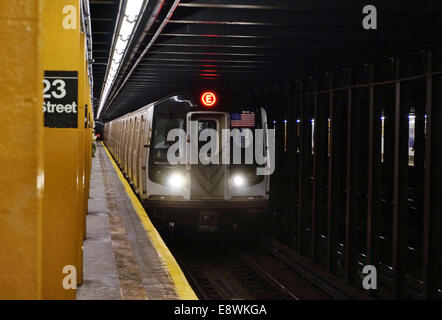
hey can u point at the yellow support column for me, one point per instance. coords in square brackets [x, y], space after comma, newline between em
[21, 150]
[82, 78]
[88, 145]
[89, 132]
[87, 148]
[62, 208]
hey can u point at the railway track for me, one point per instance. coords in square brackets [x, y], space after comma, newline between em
[241, 273]
[260, 281]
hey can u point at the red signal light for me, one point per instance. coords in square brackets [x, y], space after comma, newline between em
[208, 99]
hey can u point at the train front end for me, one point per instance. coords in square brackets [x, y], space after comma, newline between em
[208, 163]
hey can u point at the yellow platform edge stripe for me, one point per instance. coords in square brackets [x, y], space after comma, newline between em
[182, 287]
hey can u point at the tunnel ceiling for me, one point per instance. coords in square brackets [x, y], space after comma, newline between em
[243, 44]
[103, 19]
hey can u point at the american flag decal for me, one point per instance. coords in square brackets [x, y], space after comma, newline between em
[242, 120]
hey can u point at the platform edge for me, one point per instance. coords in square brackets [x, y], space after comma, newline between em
[182, 287]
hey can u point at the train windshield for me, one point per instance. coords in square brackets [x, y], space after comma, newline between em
[159, 144]
[162, 128]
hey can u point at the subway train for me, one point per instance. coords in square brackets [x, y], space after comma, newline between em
[194, 186]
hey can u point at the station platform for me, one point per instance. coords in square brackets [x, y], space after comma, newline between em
[124, 256]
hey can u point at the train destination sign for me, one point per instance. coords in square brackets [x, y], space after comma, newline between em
[60, 94]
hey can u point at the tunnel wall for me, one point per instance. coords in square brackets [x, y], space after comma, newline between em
[362, 185]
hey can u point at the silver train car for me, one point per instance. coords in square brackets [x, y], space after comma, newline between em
[205, 197]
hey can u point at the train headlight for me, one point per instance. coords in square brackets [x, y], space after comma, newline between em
[176, 180]
[238, 180]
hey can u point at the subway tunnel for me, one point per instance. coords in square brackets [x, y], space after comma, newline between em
[220, 149]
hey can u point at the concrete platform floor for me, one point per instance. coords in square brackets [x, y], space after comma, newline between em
[120, 261]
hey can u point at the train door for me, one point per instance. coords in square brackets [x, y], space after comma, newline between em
[130, 153]
[118, 141]
[207, 173]
[135, 146]
[124, 146]
[146, 125]
[141, 167]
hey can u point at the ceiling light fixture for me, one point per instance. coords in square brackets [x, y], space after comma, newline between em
[125, 32]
